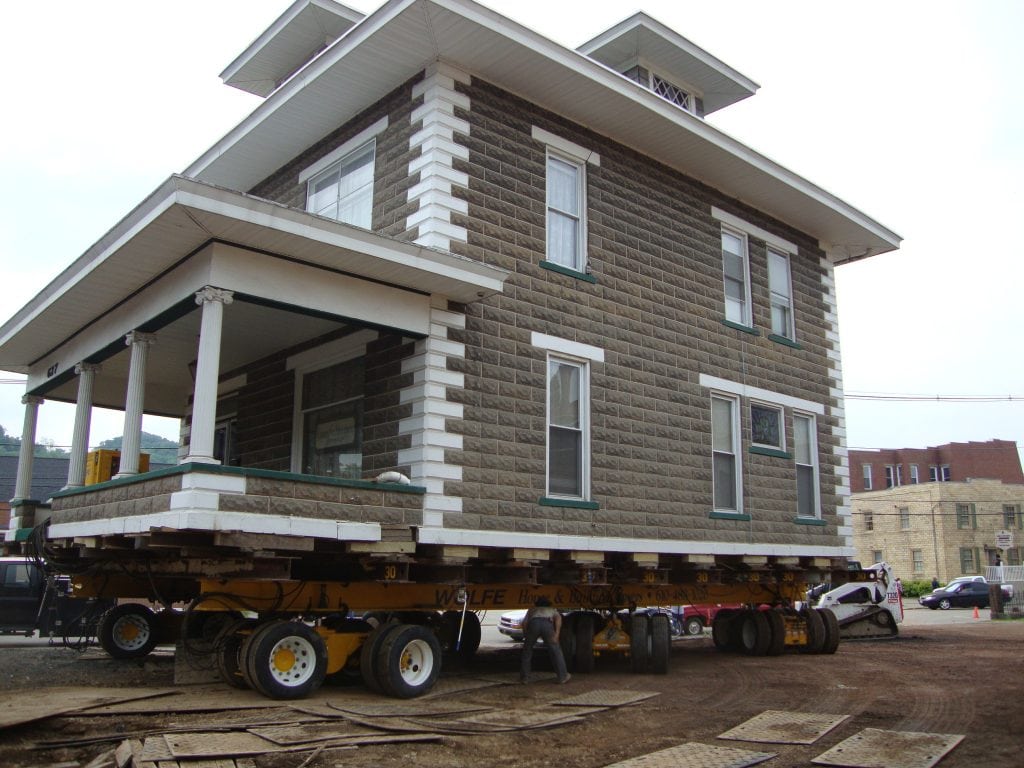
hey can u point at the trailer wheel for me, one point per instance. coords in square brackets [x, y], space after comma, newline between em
[408, 661]
[128, 631]
[694, 626]
[285, 660]
[815, 631]
[567, 640]
[832, 632]
[722, 630]
[639, 642]
[755, 633]
[368, 655]
[228, 652]
[661, 644]
[471, 633]
[777, 628]
[584, 642]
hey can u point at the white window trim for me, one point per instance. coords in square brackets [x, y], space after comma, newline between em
[791, 331]
[566, 347]
[915, 475]
[343, 151]
[584, 365]
[757, 393]
[814, 463]
[566, 148]
[735, 222]
[737, 453]
[867, 478]
[782, 424]
[748, 306]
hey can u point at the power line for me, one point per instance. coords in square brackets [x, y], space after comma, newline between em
[895, 398]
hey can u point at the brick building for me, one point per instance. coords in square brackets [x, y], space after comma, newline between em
[942, 529]
[953, 462]
[584, 323]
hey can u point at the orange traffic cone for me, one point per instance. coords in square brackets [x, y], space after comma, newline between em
[976, 612]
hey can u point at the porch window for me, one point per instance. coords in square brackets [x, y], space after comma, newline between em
[332, 420]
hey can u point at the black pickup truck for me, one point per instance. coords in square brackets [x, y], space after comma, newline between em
[30, 603]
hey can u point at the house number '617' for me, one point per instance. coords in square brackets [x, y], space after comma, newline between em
[52, 370]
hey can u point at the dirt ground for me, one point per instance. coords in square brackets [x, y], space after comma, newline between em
[966, 679]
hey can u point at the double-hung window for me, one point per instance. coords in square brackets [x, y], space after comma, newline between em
[966, 516]
[805, 454]
[344, 190]
[331, 409]
[780, 288]
[904, 518]
[866, 471]
[736, 276]
[568, 428]
[566, 182]
[1011, 516]
[869, 522]
[917, 558]
[725, 454]
[915, 478]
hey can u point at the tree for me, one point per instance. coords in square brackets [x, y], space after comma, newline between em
[11, 446]
[160, 449]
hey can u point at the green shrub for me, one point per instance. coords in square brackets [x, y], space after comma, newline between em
[917, 587]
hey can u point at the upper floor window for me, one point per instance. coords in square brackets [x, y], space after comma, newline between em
[869, 523]
[946, 474]
[568, 428]
[725, 456]
[915, 478]
[780, 287]
[565, 204]
[890, 476]
[736, 275]
[766, 426]
[965, 516]
[672, 93]
[933, 473]
[1011, 516]
[344, 190]
[866, 472]
[904, 518]
[805, 454]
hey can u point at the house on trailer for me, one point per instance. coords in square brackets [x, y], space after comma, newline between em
[457, 293]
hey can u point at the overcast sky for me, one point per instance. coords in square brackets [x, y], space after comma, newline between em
[910, 111]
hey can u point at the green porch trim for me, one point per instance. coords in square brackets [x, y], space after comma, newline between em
[740, 327]
[770, 452]
[809, 521]
[549, 501]
[738, 516]
[27, 503]
[784, 341]
[268, 474]
[567, 271]
[23, 534]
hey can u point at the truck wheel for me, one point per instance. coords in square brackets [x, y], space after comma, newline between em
[368, 655]
[661, 644]
[285, 660]
[777, 627]
[639, 640]
[408, 661]
[128, 631]
[944, 604]
[815, 631]
[754, 633]
[584, 642]
[471, 633]
[228, 651]
[832, 632]
[722, 630]
[694, 626]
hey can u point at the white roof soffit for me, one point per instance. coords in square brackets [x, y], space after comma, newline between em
[182, 215]
[672, 55]
[403, 36]
[295, 37]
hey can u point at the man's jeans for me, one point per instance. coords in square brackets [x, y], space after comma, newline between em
[545, 630]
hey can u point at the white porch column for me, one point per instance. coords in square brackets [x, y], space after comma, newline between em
[83, 417]
[204, 397]
[23, 481]
[134, 401]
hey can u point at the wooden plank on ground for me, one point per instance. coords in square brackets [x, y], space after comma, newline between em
[18, 708]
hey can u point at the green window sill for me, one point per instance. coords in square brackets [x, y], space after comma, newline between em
[770, 452]
[740, 327]
[784, 341]
[809, 521]
[567, 271]
[550, 501]
[739, 516]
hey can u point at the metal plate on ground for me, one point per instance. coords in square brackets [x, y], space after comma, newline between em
[408, 708]
[695, 755]
[780, 727]
[512, 678]
[457, 685]
[305, 734]
[875, 748]
[526, 718]
[20, 707]
[606, 698]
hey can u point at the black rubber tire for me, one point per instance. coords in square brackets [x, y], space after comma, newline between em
[471, 634]
[409, 661]
[584, 633]
[285, 660]
[722, 630]
[832, 631]
[368, 655]
[639, 642]
[567, 640]
[661, 644]
[694, 626]
[777, 628]
[227, 649]
[755, 634]
[128, 631]
[815, 631]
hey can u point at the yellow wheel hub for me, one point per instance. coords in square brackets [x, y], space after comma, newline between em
[128, 631]
[284, 659]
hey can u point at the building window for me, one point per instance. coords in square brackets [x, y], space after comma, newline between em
[965, 516]
[1011, 516]
[780, 288]
[876, 556]
[736, 274]
[1013, 556]
[344, 191]
[914, 477]
[946, 474]
[805, 453]
[866, 472]
[918, 560]
[904, 518]
[565, 202]
[332, 420]
[967, 560]
[890, 476]
[672, 93]
[568, 428]
[933, 473]
[725, 457]
[869, 522]
[766, 426]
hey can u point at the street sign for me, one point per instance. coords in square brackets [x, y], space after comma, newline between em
[1004, 539]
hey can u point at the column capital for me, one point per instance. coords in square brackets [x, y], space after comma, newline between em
[32, 400]
[138, 337]
[209, 293]
[87, 368]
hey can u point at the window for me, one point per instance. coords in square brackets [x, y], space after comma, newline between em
[918, 560]
[1011, 516]
[866, 471]
[946, 474]
[904, 518]
[766, 426]
[780, 288]
[876, 556]
[332, 420]
[725, 458]
[672, 93]
[933, 473]
[736, 273]
[914, 477]
[899, 474]
[568, 428]
[344, 191]
[1013, 556]
[869, 522]
[805, 453]
[967, 560]
[890, 476]
[965, 517]
[565, 196]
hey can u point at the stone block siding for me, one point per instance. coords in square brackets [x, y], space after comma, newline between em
[382, 410]
[391, 163]
[657, 310]
[122, 500]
